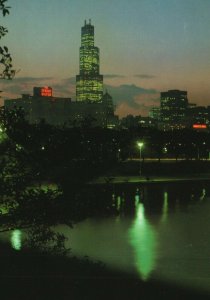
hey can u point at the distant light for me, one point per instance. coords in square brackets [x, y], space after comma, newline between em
[16, 239]
[46, 91]
[199, 126]
[165, 150]
[140, 144]
[43, 148]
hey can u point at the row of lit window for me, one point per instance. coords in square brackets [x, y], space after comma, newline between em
[89, 97]
[87, 40]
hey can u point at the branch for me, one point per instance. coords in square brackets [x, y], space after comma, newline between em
[15, 227]
[3, 31]
[6, 61]
[5, 58]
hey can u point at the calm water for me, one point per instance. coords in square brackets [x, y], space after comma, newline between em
[161, 231]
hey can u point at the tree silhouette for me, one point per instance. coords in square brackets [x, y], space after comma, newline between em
[6, 71]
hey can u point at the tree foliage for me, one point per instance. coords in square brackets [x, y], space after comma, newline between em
[34, 155]
[6, 71]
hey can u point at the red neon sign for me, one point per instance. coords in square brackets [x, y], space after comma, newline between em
[199, 126]
[46, 92]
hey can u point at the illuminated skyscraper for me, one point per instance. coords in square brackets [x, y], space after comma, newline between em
[89, 83]
[173, 108]
[91, 103]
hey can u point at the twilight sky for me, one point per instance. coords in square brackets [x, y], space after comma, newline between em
[146, 46]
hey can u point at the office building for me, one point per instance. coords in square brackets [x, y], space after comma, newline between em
[91, 103]
[59, 111]
[89, 82]
[173, 109]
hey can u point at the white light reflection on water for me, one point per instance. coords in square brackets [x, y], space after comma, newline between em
[142, 237]
[16, 239]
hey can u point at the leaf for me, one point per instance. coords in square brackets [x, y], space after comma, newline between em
[5, 11]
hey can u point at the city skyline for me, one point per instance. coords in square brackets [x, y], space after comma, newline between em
[145, 46]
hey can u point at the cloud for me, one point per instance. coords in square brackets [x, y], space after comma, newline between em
[145, 76]
[24, 85]
[19, 85]
[124, 109]
[128, 93]
[71, 80]
[128, 98]
[65, 87]
[133, 99]
[110, 76]
[29, 79]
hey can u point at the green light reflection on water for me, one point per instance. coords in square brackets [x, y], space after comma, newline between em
[165, 208]
[15, 240]
[142, 238]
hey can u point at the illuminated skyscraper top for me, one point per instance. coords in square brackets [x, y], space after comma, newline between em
[87, 35]
[89, 83]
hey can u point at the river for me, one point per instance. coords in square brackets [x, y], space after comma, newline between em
[161, 231]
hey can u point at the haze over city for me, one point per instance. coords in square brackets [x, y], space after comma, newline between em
[146, 47]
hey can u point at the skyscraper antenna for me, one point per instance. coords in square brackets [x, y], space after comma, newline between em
[85, 22]
[90, 21]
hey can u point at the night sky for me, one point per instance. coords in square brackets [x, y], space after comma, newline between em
[146, 46]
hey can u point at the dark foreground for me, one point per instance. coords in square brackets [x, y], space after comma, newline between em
[32, 276]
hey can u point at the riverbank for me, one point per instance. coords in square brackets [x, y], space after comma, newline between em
[31, 276]
[156, 172]
[150, 179]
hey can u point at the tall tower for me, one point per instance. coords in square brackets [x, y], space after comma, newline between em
[89, 83]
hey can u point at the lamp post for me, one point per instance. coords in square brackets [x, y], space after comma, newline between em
[140, 144]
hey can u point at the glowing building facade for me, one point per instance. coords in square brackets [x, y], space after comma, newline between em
[173, 109]
[89, 83]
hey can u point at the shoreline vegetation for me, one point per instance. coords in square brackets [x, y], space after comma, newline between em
[28, 275]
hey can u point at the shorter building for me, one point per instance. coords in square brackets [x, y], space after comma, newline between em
[198, 114]
[138, 121]
[59, 111]
[177, 113]
[173, 109]
[154, 113]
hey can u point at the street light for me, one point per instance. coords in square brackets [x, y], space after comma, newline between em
[140, 144]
